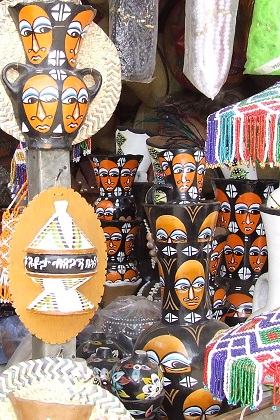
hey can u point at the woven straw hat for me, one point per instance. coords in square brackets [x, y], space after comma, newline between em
[97, 51]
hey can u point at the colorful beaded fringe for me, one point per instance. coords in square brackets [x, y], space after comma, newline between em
[8, 223]
[246, 131]
[18, 165]
[18, 169]
[243, 359]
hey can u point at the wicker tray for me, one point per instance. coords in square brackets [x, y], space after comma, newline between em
[61, 381]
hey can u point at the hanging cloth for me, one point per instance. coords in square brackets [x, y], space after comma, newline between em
[209, 38]
[263, 50]
[133, 28]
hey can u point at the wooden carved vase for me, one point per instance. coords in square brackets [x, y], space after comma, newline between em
[116, 209]
[179, 168]
[50, 104]
[183, 235]
[115, 175]
[245, 253]
[50, 97]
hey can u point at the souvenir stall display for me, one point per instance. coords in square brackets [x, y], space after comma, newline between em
[105, 60]
[87, 55]
[63, 249]
[59, 62]
[234, 137]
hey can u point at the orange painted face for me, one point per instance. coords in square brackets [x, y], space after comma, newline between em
[75, 34]
[40, 100]
[206, 230]
[215, 258]
[128, 173]
[164, 166]
[247, 212]
[240, 306]
[36, 33]
[105, 210]
[184, 169]
[170, 229]
[109, 174]
[201, 405]
[114, 277]
[176, 360]
[129, 240]
[225, 209]
[219, 298]
[234, 252]
[190, 284]
[74, 100]
[258, 254]
[113, 238]
[130, 276]
[200, 174]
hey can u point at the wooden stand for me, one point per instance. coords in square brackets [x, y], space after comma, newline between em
[263, 412]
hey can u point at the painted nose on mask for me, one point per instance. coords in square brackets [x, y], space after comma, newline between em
[41, 113]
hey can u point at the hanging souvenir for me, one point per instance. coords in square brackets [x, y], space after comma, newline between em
[58, 257]
[246, 131]
[9, 220]
[209, 38]
[263, 51]
[174, 45]
[133, 27]
[60, 36]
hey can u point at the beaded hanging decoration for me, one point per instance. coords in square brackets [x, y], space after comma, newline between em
[18, 164]
[9, 221]
[81, 149]
[242, 359]
[18, 169]
[248, 131]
